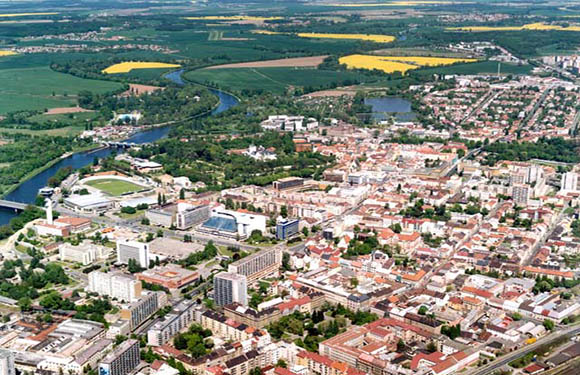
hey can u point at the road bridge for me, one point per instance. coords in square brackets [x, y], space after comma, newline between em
[13, 205]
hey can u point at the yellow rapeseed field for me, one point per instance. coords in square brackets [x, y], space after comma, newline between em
[126, 67]
[369, 37]
[7, 53]
[234, 18]
[530, 26]
[375, 62]
[391, 64]
[27, 14]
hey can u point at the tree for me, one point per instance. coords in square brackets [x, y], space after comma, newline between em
[305, 231]
[133, 266]
[281, 363]
[182, 194]
[24, 303]
[549, 324]
[284, 211]
[422, 310]
[400, 345]
[431, 347]
[353, 282]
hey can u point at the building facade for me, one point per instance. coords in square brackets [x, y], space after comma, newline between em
[258, 265]
[115, 285]
[124, 359]
[138, 251]
[229, 288]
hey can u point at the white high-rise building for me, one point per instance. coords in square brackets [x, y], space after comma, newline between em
[7, 362]
[115, 285]
[230, 287]
[133, 250]
[570, 181]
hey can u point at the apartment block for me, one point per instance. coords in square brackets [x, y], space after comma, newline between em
[258, 265]
[115, 285]
[137, 251]
[229, 288]
[123, 360]
[179, 318]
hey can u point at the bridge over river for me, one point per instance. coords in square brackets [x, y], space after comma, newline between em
[19, 206]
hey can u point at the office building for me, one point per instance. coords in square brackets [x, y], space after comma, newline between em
[189, 215]
[7, 362]
[115, 285]
[570, 181]
[121, 361]
[286, 228]
[288, 183]
[133, 250]
[258, 265]
[229, 288]
[138, 312]
[182, 315]
[182, 215]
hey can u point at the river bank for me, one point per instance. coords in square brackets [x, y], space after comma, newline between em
[27, 190]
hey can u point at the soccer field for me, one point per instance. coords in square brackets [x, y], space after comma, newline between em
[114, 187]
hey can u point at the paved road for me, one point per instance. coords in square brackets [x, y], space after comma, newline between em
[504, 360]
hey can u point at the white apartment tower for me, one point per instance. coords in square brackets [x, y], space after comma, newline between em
[115, 285]
[570, 181]
[133, 250]
[230, 287]
[7, 362]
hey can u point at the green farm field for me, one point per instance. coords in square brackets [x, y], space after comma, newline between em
[114, 187]
[275, 80]
[33, 89]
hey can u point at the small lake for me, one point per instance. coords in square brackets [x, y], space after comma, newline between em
[383, 108]
[27, 191]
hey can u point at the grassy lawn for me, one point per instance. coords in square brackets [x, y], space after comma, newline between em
[40, 88]
[66, 131]
[114, 187]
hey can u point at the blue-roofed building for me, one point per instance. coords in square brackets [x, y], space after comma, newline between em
[233, 224]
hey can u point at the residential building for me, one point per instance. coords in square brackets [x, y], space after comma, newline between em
[133, 250]
[7, 362]
[570, 181]
[230, 288]
[115, 285]
[179, 318]
[121, 361]
[141, 310]
[258, 265]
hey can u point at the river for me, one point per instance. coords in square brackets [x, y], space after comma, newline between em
[27, 191]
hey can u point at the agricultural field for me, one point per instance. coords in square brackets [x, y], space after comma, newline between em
[114, 187]
[275, 80]
[402, 64]
[126, 67]
[40, 88]
[370, 38]
[303, 62]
